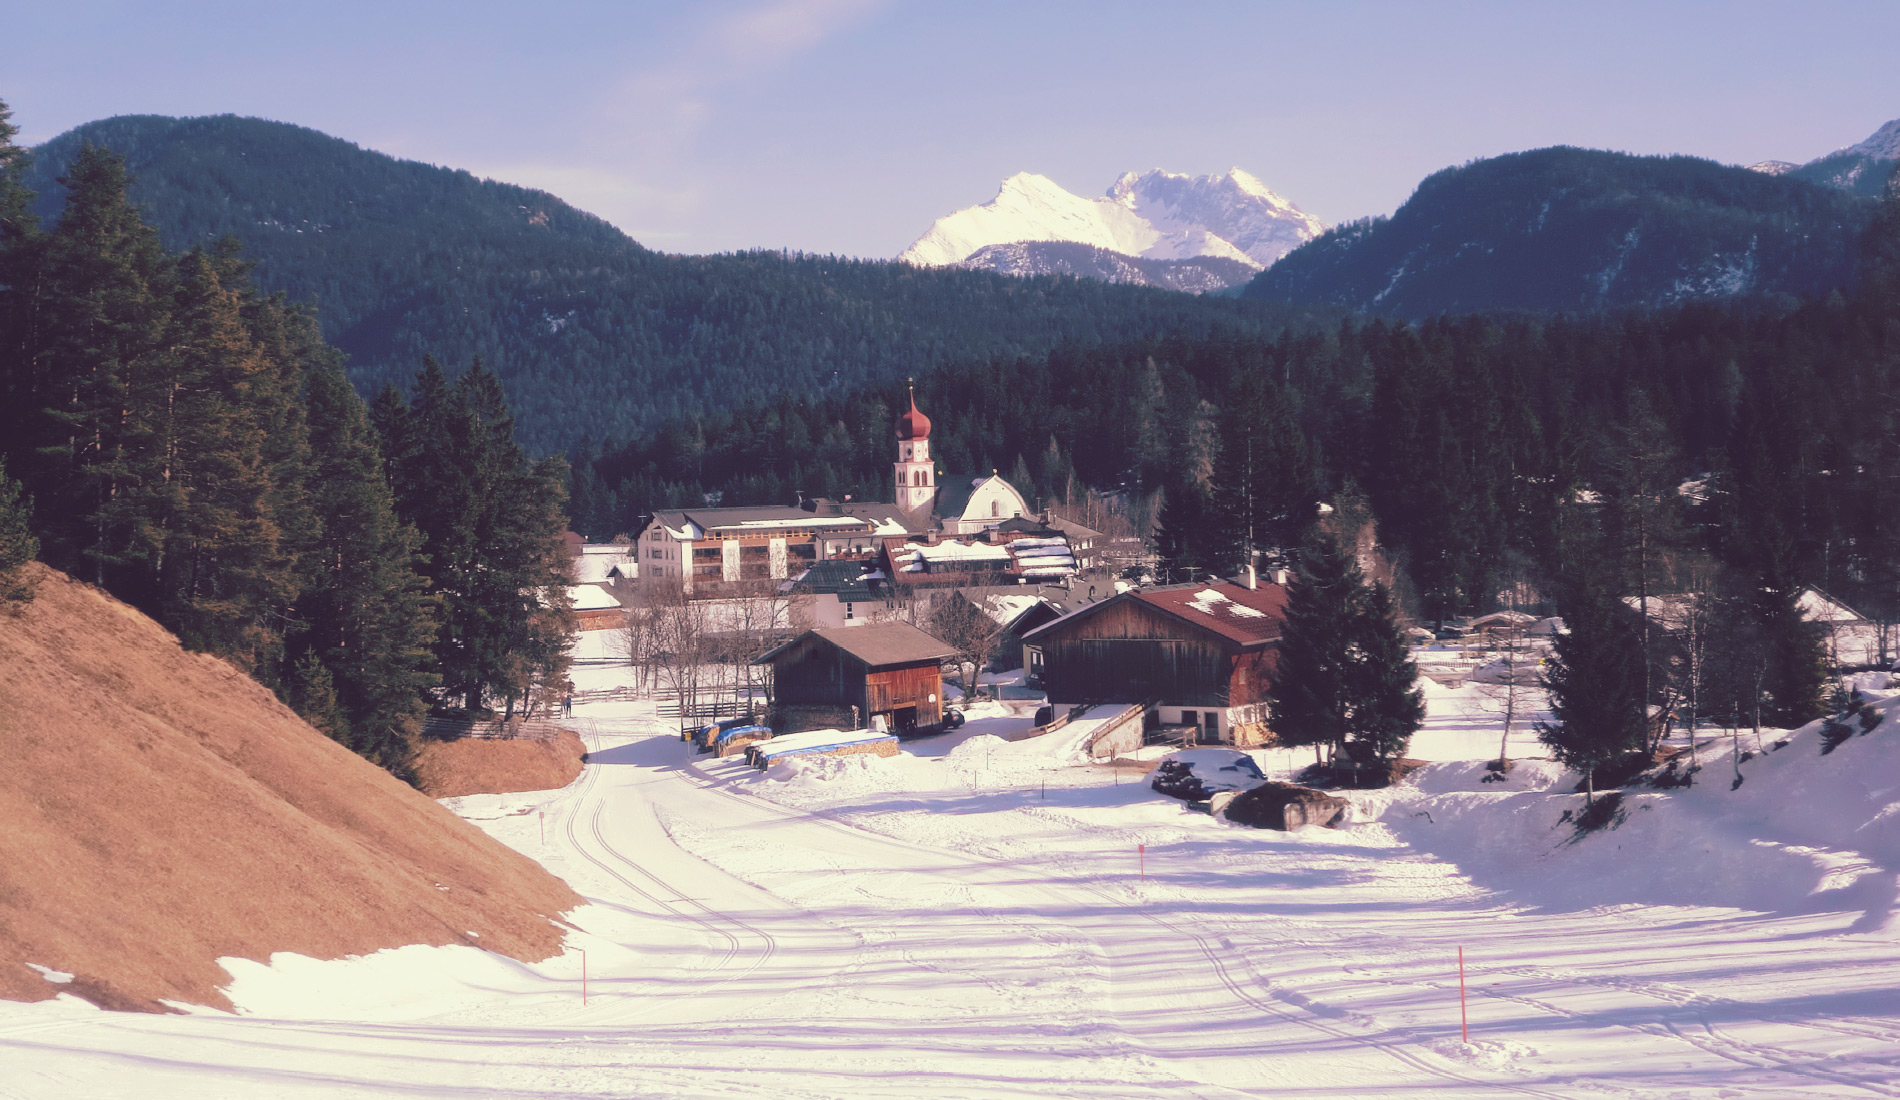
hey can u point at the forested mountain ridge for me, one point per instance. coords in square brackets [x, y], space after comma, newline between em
[1862, 168]
[592, 335]
[1565, 229]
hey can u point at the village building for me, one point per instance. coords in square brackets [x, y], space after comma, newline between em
[713, 551]
[1016, 611]
[1198, 655]
[848, 677]
[844, 592]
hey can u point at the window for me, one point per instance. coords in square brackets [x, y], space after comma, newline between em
[996, 508]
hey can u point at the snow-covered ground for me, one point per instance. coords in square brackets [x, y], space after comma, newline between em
[986, 918]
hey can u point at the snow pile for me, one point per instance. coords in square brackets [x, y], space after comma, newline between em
[860, 773]
[1805, 831]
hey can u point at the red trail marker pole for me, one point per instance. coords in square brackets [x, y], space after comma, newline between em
[544, 828]
[1464, 1023]
[1141, 851]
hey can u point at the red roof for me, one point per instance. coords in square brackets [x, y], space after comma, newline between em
[1245, 615]
[913, 424]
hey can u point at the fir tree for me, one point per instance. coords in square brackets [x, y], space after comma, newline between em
[1595, 682]
[491, 524]
[313, 697]
[17, 544]
[366, 611]
[1343, 676]
[1184, 533]
[1264, 493]
[96, 300]
[1388, 706]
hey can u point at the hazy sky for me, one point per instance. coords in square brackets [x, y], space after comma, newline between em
[849, 125]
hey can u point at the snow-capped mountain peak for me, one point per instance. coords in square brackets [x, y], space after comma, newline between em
[1154, 215]
[1883, 145]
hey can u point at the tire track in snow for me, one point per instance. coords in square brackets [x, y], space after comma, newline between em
[1182, 931]
[707, 917]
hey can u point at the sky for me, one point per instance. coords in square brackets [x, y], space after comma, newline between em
[848, 126]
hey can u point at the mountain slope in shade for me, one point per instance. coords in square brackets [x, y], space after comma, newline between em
[1862, 168]
[1194, 275]
[593, 336]
[1579, 229]
[1155, 216]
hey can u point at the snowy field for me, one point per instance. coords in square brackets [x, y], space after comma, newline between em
[981, 918]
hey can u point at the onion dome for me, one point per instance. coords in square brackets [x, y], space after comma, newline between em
[913, 424]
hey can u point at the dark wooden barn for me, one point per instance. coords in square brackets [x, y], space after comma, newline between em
[843, 677]
[1203, 654]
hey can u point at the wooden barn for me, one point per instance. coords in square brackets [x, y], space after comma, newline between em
[843, 677]
[1202, 654]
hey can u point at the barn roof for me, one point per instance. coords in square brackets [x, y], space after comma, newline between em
[876, 644]
[1247, 616]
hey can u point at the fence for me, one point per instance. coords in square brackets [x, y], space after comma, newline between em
[514, 729]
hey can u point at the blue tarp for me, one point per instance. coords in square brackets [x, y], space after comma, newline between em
[703, 735]
[725, 735]
[763, 754]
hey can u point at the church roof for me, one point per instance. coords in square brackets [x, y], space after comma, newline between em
[913, 424]
[954, 492]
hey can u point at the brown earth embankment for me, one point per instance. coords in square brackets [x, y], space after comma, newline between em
[483, 765]
[160, 810]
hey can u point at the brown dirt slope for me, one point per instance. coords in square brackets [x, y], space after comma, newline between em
[159, 810]
[479, 765]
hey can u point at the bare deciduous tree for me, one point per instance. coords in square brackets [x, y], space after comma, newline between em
[963, 626]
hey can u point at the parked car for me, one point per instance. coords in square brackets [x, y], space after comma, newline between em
[1196, 775]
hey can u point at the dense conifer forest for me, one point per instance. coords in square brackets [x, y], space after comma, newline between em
[190, 444]
[1581, 230]
[592, 336]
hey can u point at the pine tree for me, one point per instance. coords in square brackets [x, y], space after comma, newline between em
[17, 544]
[1264, 493]
[1185, 534]
[97, 304]
[1388, 706]
[366, 611]
[1344, 676]
[491, 524]
[1595, 682]
[313, 697]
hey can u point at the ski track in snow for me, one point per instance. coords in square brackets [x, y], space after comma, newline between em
[936, 924]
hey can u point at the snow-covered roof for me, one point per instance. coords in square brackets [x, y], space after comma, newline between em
[595, 562]
[1819, 607]
[1007, 607]
[592, 597]
[962, 552]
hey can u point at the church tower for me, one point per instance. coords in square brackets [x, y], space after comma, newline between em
[916, 474]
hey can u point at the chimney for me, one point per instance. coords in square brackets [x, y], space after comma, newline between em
[1281, 577]
[1252, 580]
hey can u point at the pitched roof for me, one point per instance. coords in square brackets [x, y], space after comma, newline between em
[876, 644]
[846, 578]
[954, 492]
[1246, 616]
